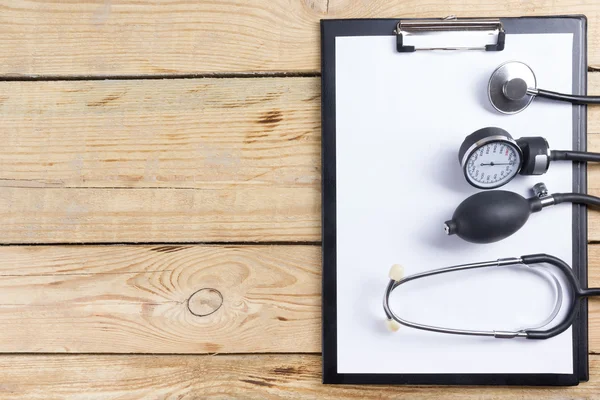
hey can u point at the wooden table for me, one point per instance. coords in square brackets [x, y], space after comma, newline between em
[160, 197]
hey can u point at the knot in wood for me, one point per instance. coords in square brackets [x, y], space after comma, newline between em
[205, 302]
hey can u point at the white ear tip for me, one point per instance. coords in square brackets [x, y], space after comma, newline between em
[396, 272]
[392, 325]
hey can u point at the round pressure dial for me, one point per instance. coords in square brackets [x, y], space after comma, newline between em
[490, 158]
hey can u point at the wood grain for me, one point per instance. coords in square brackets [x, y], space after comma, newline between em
[62, 38]
[51, 215]
[175, 133]
[160, 299]
[227, 377]
[150, 299]
[234, 159]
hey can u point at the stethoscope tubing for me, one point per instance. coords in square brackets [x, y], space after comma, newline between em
[571, 98]
[577, 293]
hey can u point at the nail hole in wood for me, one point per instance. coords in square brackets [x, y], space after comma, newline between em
[205, 302]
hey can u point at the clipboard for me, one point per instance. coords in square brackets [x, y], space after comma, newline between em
[500, 35]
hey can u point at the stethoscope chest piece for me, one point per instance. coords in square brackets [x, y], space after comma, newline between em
[508, 87]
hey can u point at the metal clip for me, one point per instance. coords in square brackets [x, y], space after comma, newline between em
[449, 24]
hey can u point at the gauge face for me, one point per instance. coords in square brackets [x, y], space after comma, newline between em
[493, 164]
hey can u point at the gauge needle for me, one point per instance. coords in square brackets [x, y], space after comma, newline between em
[493, 163]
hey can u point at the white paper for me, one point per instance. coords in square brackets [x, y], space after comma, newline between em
[400, 120]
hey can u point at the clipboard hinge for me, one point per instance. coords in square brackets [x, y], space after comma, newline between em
[449, 24]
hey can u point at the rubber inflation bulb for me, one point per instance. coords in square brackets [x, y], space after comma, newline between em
[490, 216]
[396, 272]
[392, 325]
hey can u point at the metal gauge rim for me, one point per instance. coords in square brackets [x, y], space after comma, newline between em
[483, 142]
[505, 72]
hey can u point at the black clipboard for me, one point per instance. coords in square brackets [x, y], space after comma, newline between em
[330, 29]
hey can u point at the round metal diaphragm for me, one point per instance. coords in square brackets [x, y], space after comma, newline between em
[507, 88]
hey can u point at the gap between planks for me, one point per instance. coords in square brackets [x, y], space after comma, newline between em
[216, 75]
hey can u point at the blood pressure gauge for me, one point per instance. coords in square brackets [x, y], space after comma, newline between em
[490, 158]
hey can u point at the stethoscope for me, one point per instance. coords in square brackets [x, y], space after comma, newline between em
[513, 86]
[534, 332]
[490, 158]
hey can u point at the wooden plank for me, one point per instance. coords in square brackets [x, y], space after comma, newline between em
[183, 133]
[190, 37]
[51, 215]
[236, 159]
[80, 160]
[160, 299]
[247, 377]
[123, 299]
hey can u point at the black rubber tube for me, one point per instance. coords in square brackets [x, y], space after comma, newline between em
[580, 100]
[573, 283]
[581, 156]
[577, 198]
[590, 292]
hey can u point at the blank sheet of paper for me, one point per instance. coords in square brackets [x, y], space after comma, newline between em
[400, 119]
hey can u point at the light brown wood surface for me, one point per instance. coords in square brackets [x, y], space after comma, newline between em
[204, 188]
[226, 377]
[157, 299]
[197, 37]
[169, 160]
[211, 134]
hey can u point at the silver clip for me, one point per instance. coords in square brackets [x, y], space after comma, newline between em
[449, 24]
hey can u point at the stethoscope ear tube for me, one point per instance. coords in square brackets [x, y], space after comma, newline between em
[571, 312]
[577, 293]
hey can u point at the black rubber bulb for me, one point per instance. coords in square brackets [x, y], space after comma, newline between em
[491, 216]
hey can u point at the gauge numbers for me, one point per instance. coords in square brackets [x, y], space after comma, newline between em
[493, 164]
